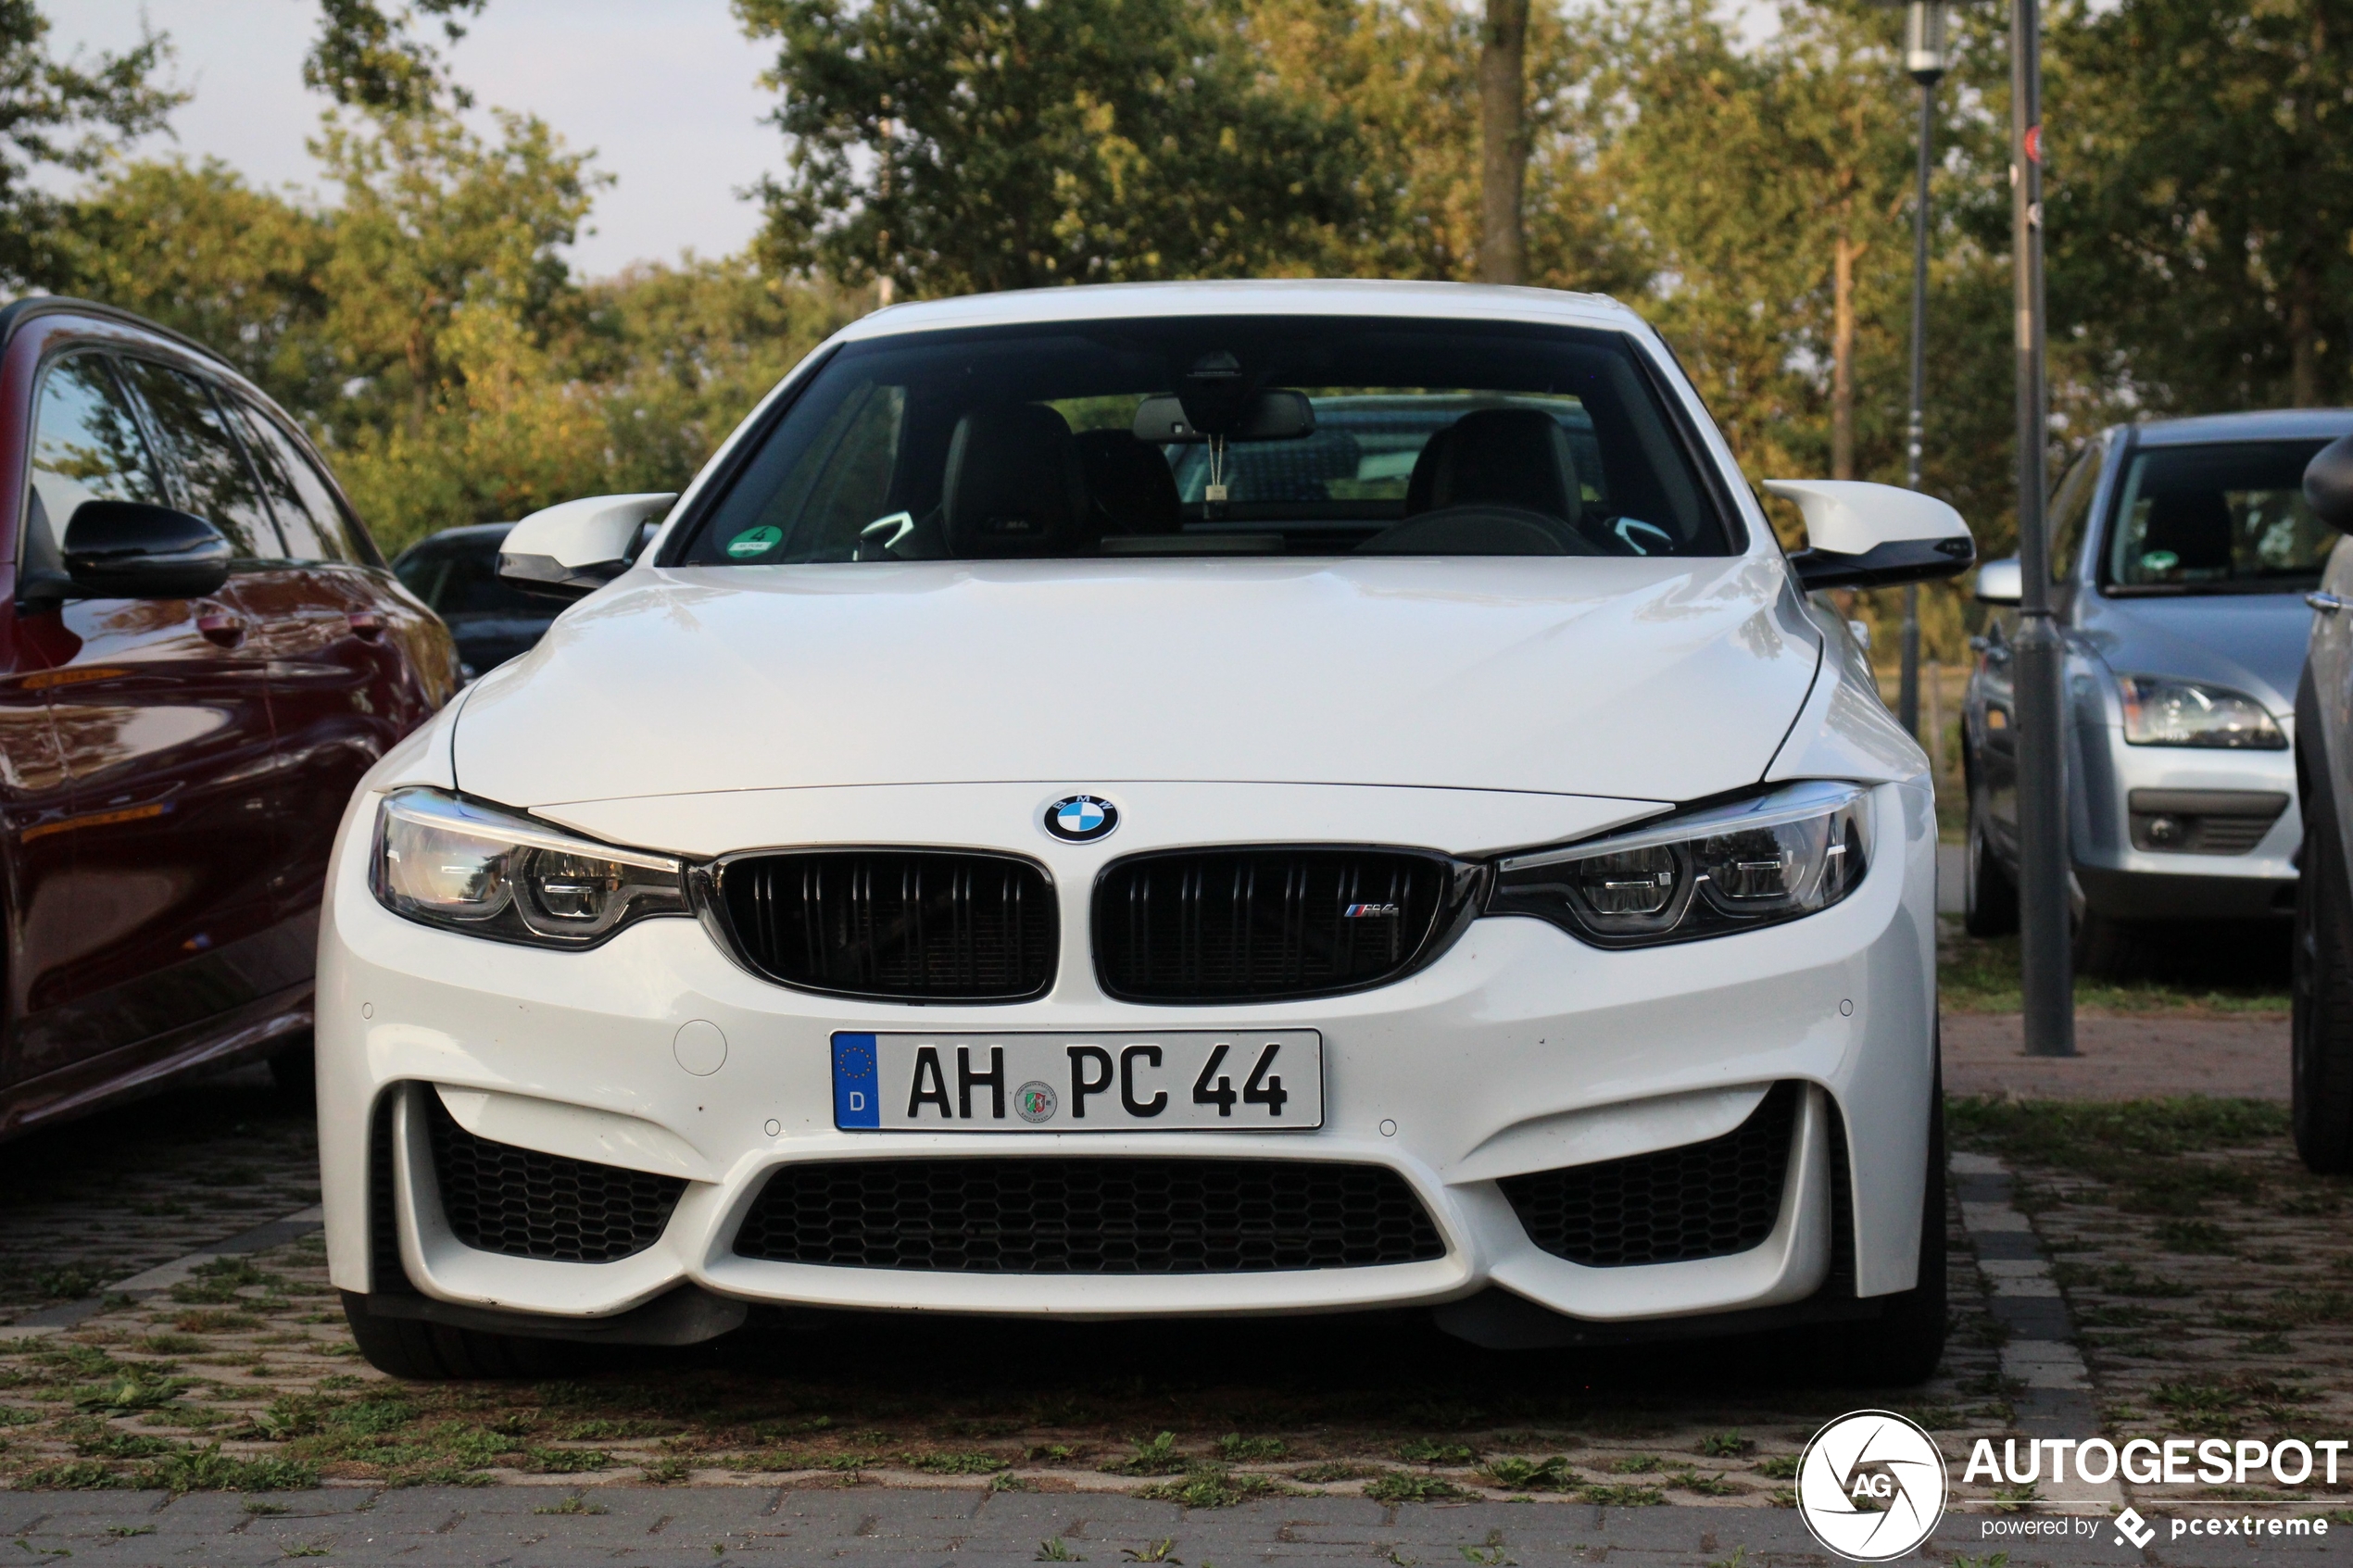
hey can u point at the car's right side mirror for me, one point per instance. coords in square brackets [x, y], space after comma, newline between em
[2001, 582]
[1862, 536]
[2328, 484]
[572, 550]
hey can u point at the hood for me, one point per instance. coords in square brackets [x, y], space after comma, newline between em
[1655, 680]
[2252, 642]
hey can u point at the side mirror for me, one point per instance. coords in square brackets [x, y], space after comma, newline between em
[572, 550]
[2001, 582]
[132, 550]
[2328, 484]
[1870, 535]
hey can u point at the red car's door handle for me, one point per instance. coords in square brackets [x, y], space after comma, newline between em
[366, 623]
[221, 627]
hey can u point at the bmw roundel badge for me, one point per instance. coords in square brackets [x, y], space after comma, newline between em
[1081, 819]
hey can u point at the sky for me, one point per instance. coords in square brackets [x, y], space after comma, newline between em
[666, 93]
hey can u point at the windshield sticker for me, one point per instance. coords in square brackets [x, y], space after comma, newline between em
[754, 542]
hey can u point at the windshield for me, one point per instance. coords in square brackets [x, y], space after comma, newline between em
[2216, 519]
[1211, 436]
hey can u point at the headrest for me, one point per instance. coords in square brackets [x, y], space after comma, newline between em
[1013, 485]
[2193, 524]
[1502, 457]
[1131, 483]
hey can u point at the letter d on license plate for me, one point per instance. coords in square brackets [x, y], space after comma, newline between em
[1231, 1081]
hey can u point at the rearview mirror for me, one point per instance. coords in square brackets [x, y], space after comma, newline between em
[132, 550]
[2328, 484]
[574, 549]
[2001, 582]
[1862, 536]
[1271, 416]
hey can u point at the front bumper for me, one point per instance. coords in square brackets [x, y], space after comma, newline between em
[2129, 880]
[1520, 1050]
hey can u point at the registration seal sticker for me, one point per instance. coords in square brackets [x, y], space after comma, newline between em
[1035, 1102]
[754, 542]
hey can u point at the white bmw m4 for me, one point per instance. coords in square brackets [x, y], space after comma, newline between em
[1161, 801]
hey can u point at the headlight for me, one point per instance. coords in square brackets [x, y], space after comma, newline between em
[464, 866]
[2162, 712]
[1706, 873]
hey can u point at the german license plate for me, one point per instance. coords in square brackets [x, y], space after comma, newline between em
[1267, 1081]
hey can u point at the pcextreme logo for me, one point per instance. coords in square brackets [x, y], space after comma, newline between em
[1871, 1486]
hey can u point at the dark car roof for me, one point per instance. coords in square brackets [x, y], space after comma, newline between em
[465, 534]
[2264, 424]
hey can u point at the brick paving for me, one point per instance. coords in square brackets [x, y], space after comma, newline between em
[2210, 1294]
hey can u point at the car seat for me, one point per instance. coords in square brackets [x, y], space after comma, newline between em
[1133, 488]
[1014, 485]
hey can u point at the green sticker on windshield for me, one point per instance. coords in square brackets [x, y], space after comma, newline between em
[2159, 560]
[754, 542]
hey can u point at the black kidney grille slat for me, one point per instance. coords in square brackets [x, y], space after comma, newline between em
[1228, 925]
[919, 925]
[501, 1198]
[1702, 1200]
[1089, 1216]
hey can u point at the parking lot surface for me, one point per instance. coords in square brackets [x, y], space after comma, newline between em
[2119, 1264]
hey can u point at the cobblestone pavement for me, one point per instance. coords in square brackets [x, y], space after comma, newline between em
[103, 1197]
[2152, 1269]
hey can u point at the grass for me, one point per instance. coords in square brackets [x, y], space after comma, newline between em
[1210, 1486]
[2224, 973]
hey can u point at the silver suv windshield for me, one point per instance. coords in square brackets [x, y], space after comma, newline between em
[1212, 435]
[2227, 518]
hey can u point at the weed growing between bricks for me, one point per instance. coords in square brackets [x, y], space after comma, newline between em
[243, 1378]
[2210, 1275]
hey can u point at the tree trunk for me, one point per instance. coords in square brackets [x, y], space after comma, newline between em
[1503, 135]
[1844, 253]
[2303, 338]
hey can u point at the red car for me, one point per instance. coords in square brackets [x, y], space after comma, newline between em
[201, 651]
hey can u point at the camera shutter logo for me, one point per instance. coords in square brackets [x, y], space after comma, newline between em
[1871, 1486]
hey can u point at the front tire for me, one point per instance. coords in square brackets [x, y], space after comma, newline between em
[433, 1352]
[1989, 899]
[2321, 1033]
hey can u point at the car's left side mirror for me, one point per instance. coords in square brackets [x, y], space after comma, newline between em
[2328, 484]
[133, 550]
[574, 549]
[1862, 536]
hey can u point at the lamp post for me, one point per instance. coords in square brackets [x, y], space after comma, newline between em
[1926, 60]
[2045, 981]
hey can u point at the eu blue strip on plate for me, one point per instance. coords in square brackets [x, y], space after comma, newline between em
[857, 1100]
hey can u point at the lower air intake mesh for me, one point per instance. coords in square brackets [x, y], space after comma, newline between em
[1703, 1201]
[1089, 1216]
[525, 1204]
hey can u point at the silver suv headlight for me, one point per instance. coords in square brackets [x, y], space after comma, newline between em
[444, 861]
[1710, 871]
[2159, 711]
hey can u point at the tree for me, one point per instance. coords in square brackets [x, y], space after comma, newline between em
[2201, 195]
[367, 57]
[975, 145]
[199, 249]
[66, 114]
[1503, 145]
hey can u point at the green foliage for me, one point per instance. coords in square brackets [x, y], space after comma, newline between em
[976, 144]
[1403, 1486]
[62, 115]
[366, 57]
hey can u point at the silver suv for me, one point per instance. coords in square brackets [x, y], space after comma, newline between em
[2181, 552]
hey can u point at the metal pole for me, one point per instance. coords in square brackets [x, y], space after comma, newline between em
[1908, 697]
[2044, 959]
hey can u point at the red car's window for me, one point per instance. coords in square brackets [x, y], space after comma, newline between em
[214, 480]
[86, 446]
[306, 508]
